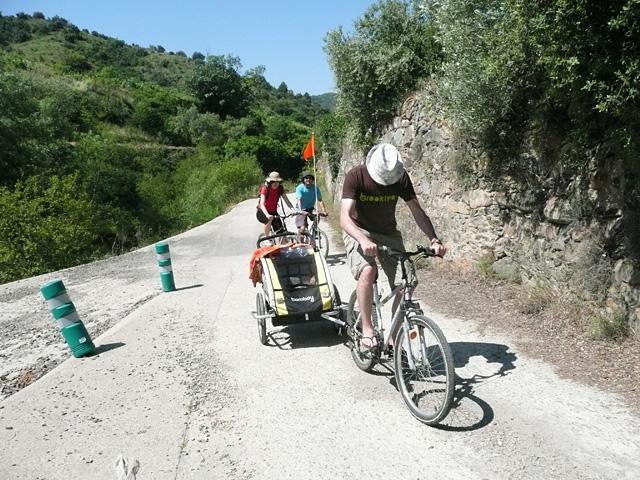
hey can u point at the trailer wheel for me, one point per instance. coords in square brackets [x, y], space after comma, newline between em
[261, 309]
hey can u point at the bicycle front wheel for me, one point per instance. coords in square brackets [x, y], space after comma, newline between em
[427, 388]
[321, 242]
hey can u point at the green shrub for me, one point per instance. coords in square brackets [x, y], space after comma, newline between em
[46, 225]
[332, 130]
[548, 74]
[212, 186]
[483, 265]
[608, 327]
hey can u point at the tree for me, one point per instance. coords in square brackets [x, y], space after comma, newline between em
[34, 126]
[283, 89]
[154, 108]
[391, 52]
[219, 86]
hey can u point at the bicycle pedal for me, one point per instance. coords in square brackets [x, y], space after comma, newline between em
[372, 353]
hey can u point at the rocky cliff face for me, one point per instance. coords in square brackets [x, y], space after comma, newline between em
[572, 234]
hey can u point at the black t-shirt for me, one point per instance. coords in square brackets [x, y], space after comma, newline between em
[375, 204]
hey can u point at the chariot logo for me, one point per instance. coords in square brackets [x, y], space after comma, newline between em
[303, 299]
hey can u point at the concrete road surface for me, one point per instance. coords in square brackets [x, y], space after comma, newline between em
[181, 383]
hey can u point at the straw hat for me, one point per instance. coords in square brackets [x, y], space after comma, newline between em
[273, 177]
[384, 164]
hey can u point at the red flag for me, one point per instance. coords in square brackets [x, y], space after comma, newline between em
[309, 151]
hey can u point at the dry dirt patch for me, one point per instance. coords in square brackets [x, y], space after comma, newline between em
[550, 333]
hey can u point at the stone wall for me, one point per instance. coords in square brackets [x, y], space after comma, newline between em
[564, 235]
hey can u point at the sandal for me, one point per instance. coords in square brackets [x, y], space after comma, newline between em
[373, 340]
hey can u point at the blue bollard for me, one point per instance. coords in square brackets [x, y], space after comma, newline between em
[67, 318]
[166, 270]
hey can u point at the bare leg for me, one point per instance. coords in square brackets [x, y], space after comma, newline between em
[364, 291]
[267, 228]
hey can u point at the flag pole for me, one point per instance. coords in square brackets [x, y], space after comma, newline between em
[315, 185]
[306, 155]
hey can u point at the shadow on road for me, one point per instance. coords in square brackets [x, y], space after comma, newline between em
[197, 285]
[336, 259]
[105, 348]
[491, 352]
[469, 411]
[304, 335]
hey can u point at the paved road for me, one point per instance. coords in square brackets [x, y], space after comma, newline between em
[181, 383]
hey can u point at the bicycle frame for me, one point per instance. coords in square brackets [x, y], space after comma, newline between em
[312, 233]
[401, 315]
[314, 223]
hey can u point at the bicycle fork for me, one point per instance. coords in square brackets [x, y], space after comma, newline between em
[405, 309]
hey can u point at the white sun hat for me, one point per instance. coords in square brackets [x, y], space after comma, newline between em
[384, 164]
[273, 177]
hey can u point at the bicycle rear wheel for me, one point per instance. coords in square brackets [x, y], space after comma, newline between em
[427, 389]
[321, 242]
[364, 358]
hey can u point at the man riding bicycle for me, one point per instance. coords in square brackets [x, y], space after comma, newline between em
[367, 216]
[307, 193]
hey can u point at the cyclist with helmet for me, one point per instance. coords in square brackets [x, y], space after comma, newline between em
[270, 194]
[307, 193]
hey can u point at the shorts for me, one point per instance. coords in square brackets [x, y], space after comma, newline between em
[302, 219]
[391, 267]
[276, 225]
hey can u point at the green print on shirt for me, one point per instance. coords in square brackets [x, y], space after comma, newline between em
[383, 198]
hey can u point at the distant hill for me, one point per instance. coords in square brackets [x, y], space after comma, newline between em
[326, 100]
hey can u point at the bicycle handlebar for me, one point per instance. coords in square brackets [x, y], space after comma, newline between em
[288, 215]
[312, 213]
[420, 251]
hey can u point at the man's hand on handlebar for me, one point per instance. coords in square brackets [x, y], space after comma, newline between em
[369, 248]
[438, 249]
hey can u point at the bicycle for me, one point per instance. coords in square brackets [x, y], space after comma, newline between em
[315, 237]
[281, 235]
[423, 362]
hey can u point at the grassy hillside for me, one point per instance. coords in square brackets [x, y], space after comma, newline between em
[108, 146]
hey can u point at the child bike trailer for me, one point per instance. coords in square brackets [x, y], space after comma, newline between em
[296, 287]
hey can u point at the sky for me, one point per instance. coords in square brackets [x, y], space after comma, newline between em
[284, 36]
